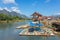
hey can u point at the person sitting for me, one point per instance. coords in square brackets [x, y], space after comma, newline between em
[34, 25]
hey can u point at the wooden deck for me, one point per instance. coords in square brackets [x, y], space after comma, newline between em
[35, 33]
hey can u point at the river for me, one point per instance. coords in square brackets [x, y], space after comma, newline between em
[8, 31]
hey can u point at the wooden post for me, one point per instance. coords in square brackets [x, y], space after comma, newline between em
[39, 22]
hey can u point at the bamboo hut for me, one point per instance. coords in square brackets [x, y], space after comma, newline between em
[36, 14]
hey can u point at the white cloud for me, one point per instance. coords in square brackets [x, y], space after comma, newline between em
[57, 13]
[34, 4]
[47, 1]
[16, 9]
[1, 8]
[7, 9]
[9, 1]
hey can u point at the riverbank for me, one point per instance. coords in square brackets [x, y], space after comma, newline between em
[48, 23]
[9, 21]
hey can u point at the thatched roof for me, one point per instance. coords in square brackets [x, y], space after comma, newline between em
[36, 13]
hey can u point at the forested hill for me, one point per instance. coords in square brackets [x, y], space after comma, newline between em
[4, 14]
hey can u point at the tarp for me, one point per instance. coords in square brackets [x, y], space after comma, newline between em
[32, 24]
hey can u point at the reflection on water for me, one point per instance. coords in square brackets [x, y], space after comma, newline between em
[8, 31]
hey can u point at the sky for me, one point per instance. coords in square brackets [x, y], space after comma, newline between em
[28, 7]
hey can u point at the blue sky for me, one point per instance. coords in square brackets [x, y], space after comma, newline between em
[27, 7]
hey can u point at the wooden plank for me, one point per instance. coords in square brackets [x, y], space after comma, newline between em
[35, 33]
[22, 26]
[22, 32]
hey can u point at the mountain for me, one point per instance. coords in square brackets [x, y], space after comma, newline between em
[56, 16]
[12, 13]
[4, 12]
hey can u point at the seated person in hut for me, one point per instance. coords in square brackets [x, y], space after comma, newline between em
[34, 25]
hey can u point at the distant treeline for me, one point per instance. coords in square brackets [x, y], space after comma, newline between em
[9, 17]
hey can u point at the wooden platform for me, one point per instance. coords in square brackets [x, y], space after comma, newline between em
[35, 33]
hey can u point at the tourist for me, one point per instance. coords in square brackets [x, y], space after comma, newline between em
[34, 25]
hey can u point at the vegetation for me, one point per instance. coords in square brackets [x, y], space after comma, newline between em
[9, 17]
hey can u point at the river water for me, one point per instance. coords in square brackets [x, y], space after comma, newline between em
[8, 31]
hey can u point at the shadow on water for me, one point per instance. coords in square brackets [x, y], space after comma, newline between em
[8, 31]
